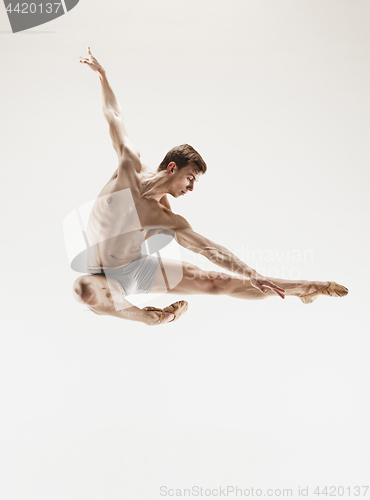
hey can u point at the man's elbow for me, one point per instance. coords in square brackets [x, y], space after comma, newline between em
[111, 115]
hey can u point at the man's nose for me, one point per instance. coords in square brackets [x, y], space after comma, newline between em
[190, 187]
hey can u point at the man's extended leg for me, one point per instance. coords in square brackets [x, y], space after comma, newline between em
[198, 281]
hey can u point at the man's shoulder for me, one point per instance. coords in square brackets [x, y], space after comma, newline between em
[178, 222]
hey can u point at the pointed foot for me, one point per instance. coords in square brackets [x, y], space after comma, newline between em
[332, 289]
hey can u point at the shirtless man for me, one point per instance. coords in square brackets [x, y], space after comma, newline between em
[131, 208]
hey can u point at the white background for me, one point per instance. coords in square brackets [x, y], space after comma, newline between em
[272, 393]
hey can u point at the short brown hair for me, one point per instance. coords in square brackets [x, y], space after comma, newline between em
[182, 156]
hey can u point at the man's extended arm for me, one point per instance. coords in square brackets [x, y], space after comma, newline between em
[112, 112]
[221, 256]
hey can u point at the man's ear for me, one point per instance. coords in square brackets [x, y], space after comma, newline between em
[171, 167]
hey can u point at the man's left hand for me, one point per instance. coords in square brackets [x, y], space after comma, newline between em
[263, 284]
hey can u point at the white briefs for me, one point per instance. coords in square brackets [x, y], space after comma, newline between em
[137, 277]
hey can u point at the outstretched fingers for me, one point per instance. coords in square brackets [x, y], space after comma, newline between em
[89, 59]
[92, 62]
[266, 285]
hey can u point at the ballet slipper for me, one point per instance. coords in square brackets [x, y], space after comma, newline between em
[157, 310]
[332, 289]
[177, 309]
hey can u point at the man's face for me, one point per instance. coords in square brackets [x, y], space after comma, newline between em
[182, 180]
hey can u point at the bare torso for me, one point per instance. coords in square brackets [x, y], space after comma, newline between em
[122, 219]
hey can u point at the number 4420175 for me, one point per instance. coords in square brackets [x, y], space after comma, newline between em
[32, 8]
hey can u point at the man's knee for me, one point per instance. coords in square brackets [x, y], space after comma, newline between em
[84, 291]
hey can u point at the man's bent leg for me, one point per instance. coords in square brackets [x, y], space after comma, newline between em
[104, 297]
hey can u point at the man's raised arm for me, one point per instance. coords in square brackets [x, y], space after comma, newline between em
[221, 256]
[112, 112]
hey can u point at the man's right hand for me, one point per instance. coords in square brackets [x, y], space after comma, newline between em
[92, 63]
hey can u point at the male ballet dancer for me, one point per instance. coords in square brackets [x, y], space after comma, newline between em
[131, 208]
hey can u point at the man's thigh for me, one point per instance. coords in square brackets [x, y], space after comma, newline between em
[182, 277]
